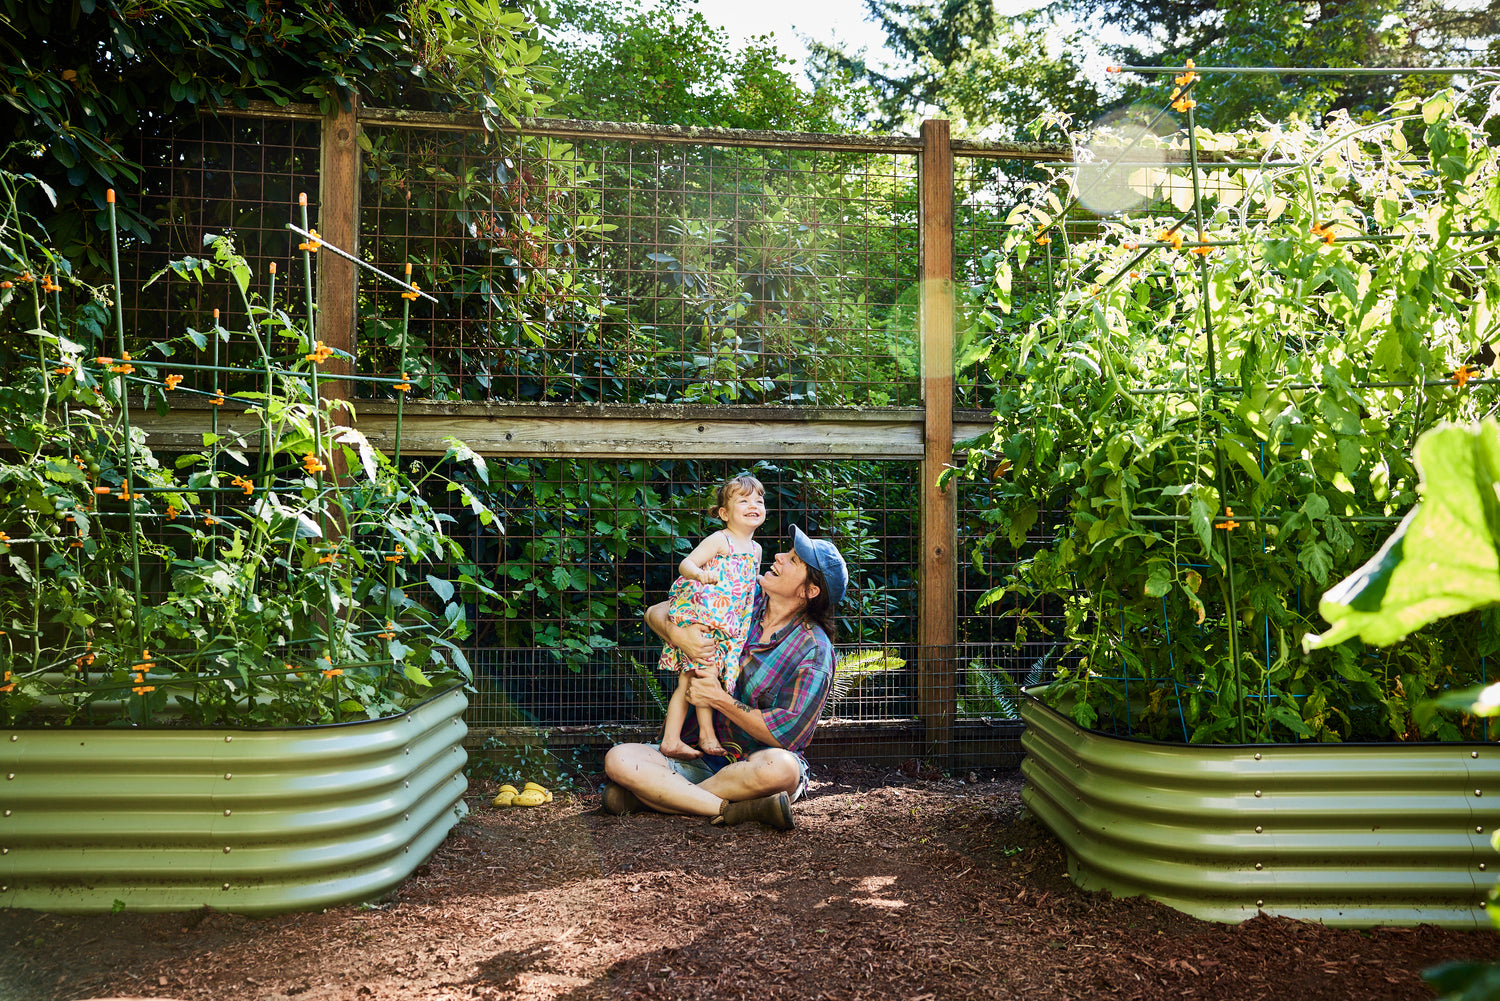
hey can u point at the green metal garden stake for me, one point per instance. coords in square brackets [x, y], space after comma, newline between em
[135, 540]
[402, 388]
[1232, 619]
[217, 401]
[265, 427]
[308, 248]
[41, 347]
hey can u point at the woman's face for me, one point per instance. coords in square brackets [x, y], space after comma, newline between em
[787, 578]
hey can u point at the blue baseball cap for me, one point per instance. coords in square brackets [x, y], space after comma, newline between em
[825, 556]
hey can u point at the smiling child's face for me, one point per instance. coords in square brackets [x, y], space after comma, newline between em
[745, 512]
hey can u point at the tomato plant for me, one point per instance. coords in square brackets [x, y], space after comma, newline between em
[1218, 396]
[246, 582]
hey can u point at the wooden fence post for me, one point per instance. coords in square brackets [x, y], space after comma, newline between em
[338, 223]
[937, 623]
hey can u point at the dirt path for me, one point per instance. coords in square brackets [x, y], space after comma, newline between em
[889, 888]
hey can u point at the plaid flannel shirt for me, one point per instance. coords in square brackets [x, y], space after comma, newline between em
[787, 677]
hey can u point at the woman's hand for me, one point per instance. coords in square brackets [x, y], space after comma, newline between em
[695, 644]
[693, 641]
[703, 689]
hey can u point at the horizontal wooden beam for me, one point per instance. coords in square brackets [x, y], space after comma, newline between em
[568, 128]
[603, 432]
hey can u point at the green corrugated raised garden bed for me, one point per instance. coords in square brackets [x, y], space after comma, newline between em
[1345, 834]
[221, 669]
[249, 821]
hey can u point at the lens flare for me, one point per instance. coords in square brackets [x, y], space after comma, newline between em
[1120, 166]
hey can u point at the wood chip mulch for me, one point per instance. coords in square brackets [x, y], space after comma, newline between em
[890, 888]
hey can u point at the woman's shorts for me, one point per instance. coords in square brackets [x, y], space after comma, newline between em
[700, 770]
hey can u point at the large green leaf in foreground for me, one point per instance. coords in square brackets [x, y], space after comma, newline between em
[1442, 560]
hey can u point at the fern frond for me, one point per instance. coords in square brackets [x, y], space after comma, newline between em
[1038, 672]
[852, 668]
[999, 695]
[654, 701]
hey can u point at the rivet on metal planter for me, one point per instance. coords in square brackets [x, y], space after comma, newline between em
[226, 813]
[14, 737]
[226, 849]
[1257, 867]
[1260, 903]
[1479, 792]
[229, 738]
[226, 886]
[228, 776]
[1257, 794]
[1257, 758]
[1479, 830]
[1257, 828]
[1481, 867]
[9, 776]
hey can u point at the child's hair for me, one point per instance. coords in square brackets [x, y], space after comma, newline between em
[743, 483]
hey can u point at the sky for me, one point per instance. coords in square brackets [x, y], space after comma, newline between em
[821, 20]
[790, 20]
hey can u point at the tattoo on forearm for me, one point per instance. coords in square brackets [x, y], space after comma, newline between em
[742, 707]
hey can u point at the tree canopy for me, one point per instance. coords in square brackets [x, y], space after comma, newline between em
[78, 76]
[1267, 33]
[959, 59]
[664, 63]
[962, 60]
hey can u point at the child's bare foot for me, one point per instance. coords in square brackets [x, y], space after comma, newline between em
[682, 752]
[711, 747]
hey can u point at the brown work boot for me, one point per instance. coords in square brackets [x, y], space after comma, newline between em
[616, 799]
[773, 811]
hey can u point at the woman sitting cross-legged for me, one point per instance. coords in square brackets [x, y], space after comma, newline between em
[786, 668]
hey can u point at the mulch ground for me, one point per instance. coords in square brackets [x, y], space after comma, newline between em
[889, 888]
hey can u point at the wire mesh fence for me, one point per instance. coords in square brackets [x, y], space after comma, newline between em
[587, 544]
[632, 271]
[635, 272]
[670, 275]
[209, 177]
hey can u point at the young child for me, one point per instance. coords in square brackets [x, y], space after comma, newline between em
[715, 589]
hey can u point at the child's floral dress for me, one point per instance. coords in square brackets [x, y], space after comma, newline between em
[723, 607]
